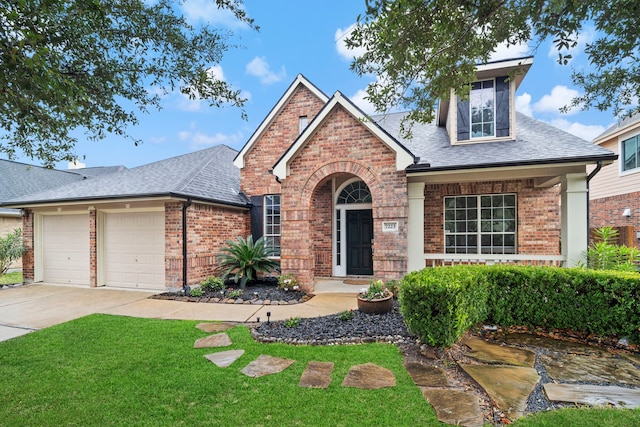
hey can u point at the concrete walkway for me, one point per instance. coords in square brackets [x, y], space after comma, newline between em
[24, 309]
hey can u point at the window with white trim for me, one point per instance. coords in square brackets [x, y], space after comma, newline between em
[631, 153]
[482, 105]
[272, 224]
[480, 224]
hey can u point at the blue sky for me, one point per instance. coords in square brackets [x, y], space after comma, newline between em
[304, 38]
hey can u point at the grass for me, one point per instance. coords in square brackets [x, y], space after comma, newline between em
[117, 371]
[11, 278]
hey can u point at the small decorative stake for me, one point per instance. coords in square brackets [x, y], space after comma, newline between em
[268, 317]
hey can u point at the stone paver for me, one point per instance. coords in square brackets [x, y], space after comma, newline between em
[493, 353]
[224, 359]
[317, 375]
[593, 395]
[217, 340]
[369, 376]
[426, 376]
[454, 406]
[581, 368]
[266, 365]
[508, 386]
[211, 327]
[550, 343]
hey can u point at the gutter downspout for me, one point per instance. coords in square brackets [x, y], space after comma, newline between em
[185, 206]
[591, 175]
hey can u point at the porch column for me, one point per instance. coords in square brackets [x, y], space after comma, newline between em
[574, 233]
[415, 226]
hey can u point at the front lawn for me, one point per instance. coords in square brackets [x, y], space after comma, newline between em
[11, 278]
[112, 370]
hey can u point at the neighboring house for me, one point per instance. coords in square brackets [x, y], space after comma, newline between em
[614, 193]
[337, 193]
[20, 179]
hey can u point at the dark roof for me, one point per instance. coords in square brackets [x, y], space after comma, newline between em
[536, 143]
[619, 125]
[206, 175]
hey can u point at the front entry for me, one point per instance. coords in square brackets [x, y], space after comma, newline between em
[359, 237]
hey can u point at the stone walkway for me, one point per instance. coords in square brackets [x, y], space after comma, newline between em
[508, 374]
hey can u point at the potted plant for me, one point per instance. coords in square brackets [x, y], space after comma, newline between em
[375, 300]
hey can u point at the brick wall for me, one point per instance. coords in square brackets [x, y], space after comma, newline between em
[93, 249]
[28, 269]
[208, 230]
[255, 178]
[321, 217]
[607, 211]
[538, 213]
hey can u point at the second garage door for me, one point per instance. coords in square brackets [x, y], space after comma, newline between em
[134, 250]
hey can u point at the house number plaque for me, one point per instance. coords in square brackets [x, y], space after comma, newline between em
[390, 226]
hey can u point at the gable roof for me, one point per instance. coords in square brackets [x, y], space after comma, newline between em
[21, 179]
[404, 157]
[536, 143]
[205, 175]
[618, 128]
[300, 80]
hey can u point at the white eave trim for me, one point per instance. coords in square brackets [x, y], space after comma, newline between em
[403, 157]
[284, 100]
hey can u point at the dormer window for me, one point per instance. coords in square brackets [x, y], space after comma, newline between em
[482, 104]
[486, 115]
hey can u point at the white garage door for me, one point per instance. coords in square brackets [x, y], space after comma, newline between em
[134, 250]
[65, 249]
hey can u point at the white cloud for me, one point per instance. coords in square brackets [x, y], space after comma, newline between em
[504, 51]
[523, 104]
[588, 132]
[559, 97]
[186, 104]
[359, 99]
[259, 67]
[199, 140]
[585, 37]
[341, 47]
[207, 11]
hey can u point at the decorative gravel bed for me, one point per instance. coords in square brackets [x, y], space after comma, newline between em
[261, 293]
[333, 329]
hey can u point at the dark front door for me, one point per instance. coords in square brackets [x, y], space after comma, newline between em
[359, 236]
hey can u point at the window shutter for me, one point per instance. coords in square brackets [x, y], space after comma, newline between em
[463, 120]
[257, 217]
[502, 107]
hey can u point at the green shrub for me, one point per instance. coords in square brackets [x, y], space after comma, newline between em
[212, 284]
[604, 254]
[244, 259]
[346, 315]
[394, 287]
[293, 322]
[287, 282]
[11, 249]
[440, 304]
[196, 292]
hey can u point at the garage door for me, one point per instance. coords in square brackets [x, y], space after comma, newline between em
[65, 249]
[134, 250]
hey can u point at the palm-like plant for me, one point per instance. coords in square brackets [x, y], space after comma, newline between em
[244, 259]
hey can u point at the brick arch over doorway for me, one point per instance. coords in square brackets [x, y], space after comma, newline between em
[308, 208]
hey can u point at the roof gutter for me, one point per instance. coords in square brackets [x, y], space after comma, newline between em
[185, 206]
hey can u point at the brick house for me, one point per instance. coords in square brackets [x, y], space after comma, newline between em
[338, 193]
[614, 193]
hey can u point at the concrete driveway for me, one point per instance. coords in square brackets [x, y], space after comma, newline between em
[27, 308]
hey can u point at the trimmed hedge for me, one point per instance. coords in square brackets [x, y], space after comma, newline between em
[440, 304]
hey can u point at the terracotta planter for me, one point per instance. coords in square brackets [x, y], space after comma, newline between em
[376, 306]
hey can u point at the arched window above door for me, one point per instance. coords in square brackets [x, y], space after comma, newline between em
[355, 192]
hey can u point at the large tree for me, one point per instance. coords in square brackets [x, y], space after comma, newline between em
[70, 66]
[421, 49]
